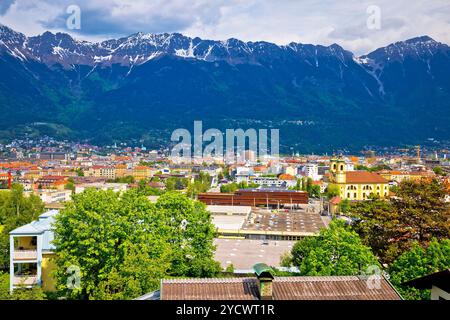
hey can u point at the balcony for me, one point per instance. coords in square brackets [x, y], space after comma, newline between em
[25, 280]
[25, 255]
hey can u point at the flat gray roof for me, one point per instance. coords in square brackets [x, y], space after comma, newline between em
[245, 253]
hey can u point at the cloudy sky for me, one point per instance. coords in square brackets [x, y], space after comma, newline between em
[280, 21]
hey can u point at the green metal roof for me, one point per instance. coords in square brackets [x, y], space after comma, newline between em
[263, 270]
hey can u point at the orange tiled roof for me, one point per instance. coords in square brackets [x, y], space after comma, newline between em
[141, 168]
[286, 176]
[398, 173]
[364, 177]
[259, 168]
[335, 200]
[11, 165]
[49, 177]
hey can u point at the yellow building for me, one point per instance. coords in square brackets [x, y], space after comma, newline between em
[101, 172]
[141, 173]
[121, 170]
[290, 170]
[400, 176]
[357, 185]
[32, 253]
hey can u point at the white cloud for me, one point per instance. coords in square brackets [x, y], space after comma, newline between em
[307, 21]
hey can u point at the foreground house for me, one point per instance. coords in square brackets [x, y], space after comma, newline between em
[438, 282]
[31, 250]
[264, 286]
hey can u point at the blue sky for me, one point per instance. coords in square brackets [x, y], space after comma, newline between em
[280, 21]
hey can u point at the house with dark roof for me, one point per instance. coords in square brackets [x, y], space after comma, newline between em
[438, 283]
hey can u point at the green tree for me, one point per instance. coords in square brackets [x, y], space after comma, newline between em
[34, 293]
[344, 206]
[337, 250]
[332, 191]
[146, 190]
[230, 268]
[228, 188]
[126, 179]
[374, 168]
[419, 212]
[232, 187]
[15, 210]
[191, 235]
[201, 184]
[438, 171]
[123, 244]
[139, 273]
[418, 262]
[313, 190]
[70, 185]
[155, 179]
[298, 185]
[101, 232]
[175, 183]
[376, 221]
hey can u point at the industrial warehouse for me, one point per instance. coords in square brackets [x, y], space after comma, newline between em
[270, 198]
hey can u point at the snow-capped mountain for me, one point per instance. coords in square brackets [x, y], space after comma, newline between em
[126, 88]
[139, 48]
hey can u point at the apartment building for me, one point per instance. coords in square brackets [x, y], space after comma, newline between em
[31, 252]
[101, 172]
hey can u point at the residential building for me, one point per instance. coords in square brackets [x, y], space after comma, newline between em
[116, 187]
[53, 156]
[49, 196]
[268, 182]
[438, 282]
[290, 170]
[141, 173]
[399, 176]
[51, 182]
[121, 170]
[31, 253]
[311, 170]
[101, 172]
[288, 180]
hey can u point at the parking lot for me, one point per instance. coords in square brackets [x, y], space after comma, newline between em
[243, 254]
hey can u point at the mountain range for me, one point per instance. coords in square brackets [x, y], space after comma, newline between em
[141, 87]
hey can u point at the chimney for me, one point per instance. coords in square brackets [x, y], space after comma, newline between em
[264, 274]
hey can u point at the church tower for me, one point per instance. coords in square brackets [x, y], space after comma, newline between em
[338, 169]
